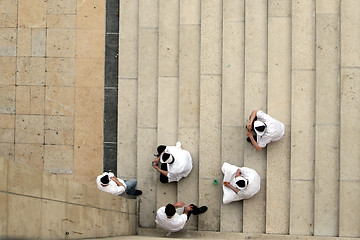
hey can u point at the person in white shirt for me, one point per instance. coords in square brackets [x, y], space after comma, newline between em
[239, 183]
[109, 183]
[173, 217]
[176, 163]
[267, 129]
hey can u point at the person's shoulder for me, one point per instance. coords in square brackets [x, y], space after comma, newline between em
[260, 113]
[161, 209]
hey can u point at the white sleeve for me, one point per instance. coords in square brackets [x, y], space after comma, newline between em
[261, 115]
[119, 190]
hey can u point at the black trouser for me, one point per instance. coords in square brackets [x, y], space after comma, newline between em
[163, 178]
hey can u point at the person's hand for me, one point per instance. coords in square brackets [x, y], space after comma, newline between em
[179, 204]
[188, 208]
[155, 163]
[226, 184]
[113, 178]
[249, 134]
[248, 126]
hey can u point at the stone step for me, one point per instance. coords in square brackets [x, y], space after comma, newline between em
[147, 101]
[327, 132]
[188, 234]
[255, 98]
[210, 113]
[127, 89]
[278, 154]
[202, 68]
[349, 223]
[302, 118]
[189, 102]
[233, 132]
[168, 78]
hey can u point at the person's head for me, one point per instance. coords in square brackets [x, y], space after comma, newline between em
[166, 158]
[259, 127]
[241, 182]
[160, 149]
[105, 180]
[170, 210]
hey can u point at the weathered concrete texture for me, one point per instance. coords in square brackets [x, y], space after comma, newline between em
[327, 123]
[211, 37]
[127, 129]
[254, 211]
[167, 131]
[54, 206]
[233, 74]
[350, 33]
[302, 207]
[146, 147]
[147, 78]
[128, 37]
[349, 174]
[169, 38]
[303, 34]
[255, 36]
[189, 76]
[188, 188]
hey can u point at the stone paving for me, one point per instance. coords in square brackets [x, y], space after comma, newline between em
[52, 85]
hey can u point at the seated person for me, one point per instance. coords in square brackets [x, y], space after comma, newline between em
[109, 183]
[239, 183]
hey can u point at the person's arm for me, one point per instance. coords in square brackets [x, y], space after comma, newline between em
[238, 173]
[252, 117]
[117, 181]
[156, 161]
[227, 184]
[254, 143]
[165, 173]
[179, 204]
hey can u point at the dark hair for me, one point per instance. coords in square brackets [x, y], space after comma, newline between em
[160, 149]
[170, 210]
[260, 128]
[241, 183]
[105, 179]
[165, 156]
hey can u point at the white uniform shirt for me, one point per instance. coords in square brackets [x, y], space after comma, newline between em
[253, 186]
[274, 129]
[112, 188]
[174, 224]
[182, 165]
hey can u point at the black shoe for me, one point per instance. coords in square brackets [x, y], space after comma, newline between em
[203, 209]
[200, 210]
[248, 139]
[137, 193]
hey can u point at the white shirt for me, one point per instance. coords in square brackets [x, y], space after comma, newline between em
[253, 186]
[182, 165]
[174, 224]
[112, 188]
[274, 129]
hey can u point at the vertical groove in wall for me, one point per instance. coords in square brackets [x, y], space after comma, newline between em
[111, 86]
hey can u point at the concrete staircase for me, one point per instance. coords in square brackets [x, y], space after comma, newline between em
[193, 71]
